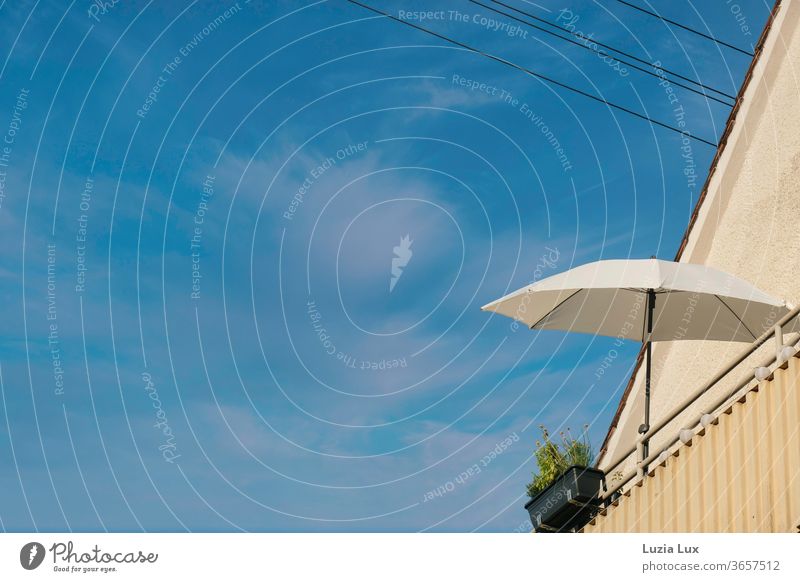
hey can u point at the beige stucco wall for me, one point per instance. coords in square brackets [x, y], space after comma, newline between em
[748, 226]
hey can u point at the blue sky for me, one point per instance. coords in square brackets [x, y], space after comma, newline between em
[200, 207]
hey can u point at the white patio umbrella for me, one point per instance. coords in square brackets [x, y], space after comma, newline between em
[645, 300]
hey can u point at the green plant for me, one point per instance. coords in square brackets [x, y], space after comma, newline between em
[554, 458]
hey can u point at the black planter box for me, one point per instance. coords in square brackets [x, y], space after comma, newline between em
[569, 502]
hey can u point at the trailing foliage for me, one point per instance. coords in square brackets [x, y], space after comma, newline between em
[555, 457]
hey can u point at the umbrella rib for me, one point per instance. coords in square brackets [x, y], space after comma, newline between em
[546, 315]
[736, 316]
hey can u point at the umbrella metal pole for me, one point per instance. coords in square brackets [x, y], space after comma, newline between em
[645, 428]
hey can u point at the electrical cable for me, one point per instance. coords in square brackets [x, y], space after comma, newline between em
[611, 48]
[534, 74]
[684, 27]
[603, 53]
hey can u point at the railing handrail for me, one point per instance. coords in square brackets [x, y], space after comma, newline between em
[687, 402]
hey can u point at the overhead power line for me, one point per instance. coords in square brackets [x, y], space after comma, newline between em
[613, 49]
[534, 74]
[684, 27]
[600, 52]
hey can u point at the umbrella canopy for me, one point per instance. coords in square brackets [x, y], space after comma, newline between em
[645, 300]
[610, 298]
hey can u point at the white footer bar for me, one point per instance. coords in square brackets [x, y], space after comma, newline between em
[401, 557]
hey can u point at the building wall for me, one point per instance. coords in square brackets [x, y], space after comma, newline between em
[748, 225]
[741, 474]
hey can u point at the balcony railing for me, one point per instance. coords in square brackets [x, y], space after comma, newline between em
[700, 420]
